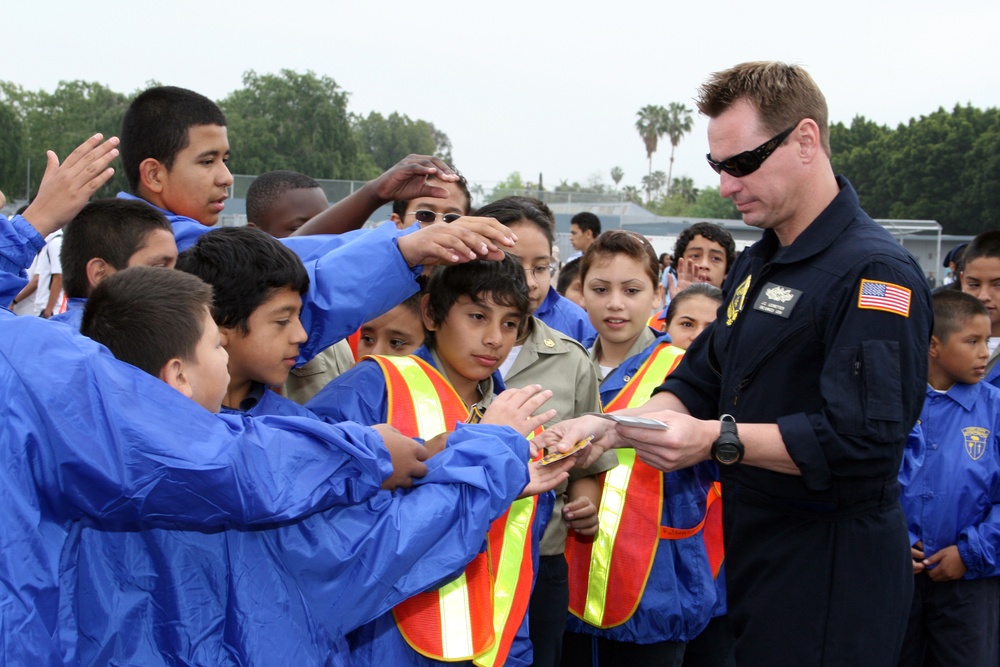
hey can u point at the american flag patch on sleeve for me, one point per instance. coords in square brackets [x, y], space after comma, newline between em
[877, 295]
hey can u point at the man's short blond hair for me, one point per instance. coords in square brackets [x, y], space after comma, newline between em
[782, 94]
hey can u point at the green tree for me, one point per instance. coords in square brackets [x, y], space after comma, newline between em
[652, 125]
[12, 158]
[678, 123]
[294, 121]
[617, 174]
[631, 193]
[61, 120]
[683, 189]
[390, 139]
[710, 204]
[942, 166]
[653, 183]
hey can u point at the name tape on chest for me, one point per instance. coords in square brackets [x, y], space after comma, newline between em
[887, 297]
[777, 300]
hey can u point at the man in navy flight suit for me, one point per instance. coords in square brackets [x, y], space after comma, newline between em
[803, 390]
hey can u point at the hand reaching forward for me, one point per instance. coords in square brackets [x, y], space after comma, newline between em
[456, 242]
[514, 408]
[408, 458]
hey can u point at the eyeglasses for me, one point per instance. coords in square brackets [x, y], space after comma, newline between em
[748, 162]
[430, 216]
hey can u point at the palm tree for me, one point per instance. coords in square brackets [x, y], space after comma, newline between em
[616, 175]
[683, 187]
[653, 183]
[631, 193]
[678, 122]
[652, 125]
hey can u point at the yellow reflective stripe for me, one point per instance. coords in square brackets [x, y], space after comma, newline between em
[516, 533]
[426, 403]
[609, 519]
[653, 374]
[456, 619]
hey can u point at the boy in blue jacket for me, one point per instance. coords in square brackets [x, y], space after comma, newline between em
[950, 479]
[473, 314]
[284, 594]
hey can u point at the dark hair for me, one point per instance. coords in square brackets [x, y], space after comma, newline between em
[502, 282]
[710, 231]
[953, 309]
[148, 315]
[622, 242]
[783, 95]
[567, 274]
[400, 205]
[587, 221]
[109, 229]
[156, 126]
[986, 244]
[267, 187]
[695, 289]
[512, 210]
[245, 266]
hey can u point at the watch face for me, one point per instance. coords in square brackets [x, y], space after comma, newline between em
[727, 453]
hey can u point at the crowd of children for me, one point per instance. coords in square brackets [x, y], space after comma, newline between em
[300, 442]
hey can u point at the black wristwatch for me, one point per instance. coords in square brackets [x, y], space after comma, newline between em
[728, 449]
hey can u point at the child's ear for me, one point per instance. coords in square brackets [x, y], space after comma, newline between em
[935, 349]
[98, 270]
[151, 173]
[174, 374]
[224, 334]
[398, 220]
[425, 313]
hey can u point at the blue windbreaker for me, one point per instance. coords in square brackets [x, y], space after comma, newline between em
[950, 476]
[360, 394]
[86, 438]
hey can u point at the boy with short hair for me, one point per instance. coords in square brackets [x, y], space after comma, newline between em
[106, 236]
[950, 481]
[980, 277]
[584, 227]
[281, 595]
[280, 202]
[473, 314]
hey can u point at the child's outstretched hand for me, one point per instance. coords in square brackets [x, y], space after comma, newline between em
[580, 515]
[945, 565]
[407, 179]
[546, 478]
[66, 188]
[408, 458]
[456, 242]
[514, 408]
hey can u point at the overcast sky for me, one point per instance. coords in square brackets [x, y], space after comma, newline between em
[541, 86]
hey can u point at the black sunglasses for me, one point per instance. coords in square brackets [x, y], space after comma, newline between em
[748, 162]
[424, 215]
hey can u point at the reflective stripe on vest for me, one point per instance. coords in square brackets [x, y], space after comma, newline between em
[477, 615]
[631, 506]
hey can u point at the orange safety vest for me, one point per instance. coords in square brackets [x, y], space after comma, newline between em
[654, 321]
[601, 562]
[476, 616]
